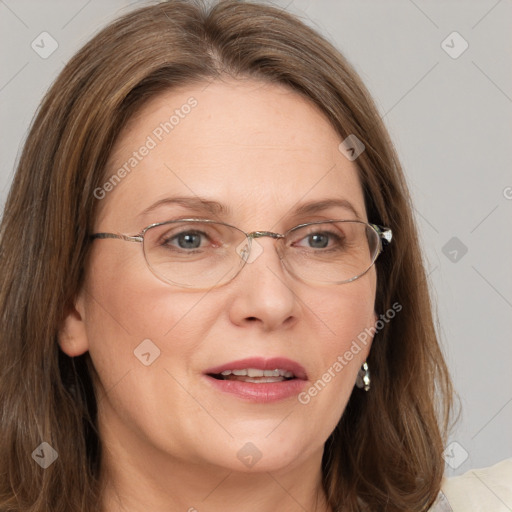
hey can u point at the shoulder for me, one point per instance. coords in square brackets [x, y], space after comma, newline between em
[477, 490]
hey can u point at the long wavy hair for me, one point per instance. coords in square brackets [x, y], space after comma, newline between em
[386, 451]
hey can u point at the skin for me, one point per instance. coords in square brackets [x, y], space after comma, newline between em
[170, 440]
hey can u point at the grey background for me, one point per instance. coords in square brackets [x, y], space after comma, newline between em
[450, 119]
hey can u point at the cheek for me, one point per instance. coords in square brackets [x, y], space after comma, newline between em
[127, 306]
[345, 313]
[143, 339]
[346, 317]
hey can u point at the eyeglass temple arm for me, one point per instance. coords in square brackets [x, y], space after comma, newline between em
[136, 238]
[385, 234]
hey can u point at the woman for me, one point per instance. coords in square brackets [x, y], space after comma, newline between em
[213, 295]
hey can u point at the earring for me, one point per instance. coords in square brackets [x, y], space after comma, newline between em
[363, 377]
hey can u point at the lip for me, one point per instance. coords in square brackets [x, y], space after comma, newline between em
[264, 392]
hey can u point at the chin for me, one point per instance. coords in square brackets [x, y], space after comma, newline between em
[266, 450]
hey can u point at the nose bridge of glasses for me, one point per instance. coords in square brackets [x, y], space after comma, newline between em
[260, 234]
[250, 252]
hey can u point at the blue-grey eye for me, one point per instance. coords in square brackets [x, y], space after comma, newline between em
[189, 240]
[318, 240]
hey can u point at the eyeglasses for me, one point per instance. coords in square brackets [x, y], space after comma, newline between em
[200, 254]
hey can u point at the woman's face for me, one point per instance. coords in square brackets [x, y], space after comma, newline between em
[262, 152]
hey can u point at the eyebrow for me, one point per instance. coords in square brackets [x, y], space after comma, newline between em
[317, 206]
[215, 208]
[194, 203]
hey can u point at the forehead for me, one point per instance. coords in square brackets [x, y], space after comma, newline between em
[259, 149]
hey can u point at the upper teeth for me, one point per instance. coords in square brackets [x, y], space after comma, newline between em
[254, 372]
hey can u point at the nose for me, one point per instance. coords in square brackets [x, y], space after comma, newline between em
[263, 292]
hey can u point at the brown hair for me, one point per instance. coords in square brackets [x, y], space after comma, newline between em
[386, 451]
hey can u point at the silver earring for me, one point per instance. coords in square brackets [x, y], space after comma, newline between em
[363, 377]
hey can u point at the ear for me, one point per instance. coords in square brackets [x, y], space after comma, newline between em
[72, 336]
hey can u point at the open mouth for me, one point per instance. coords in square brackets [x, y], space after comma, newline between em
[255, 375]
[258, 379]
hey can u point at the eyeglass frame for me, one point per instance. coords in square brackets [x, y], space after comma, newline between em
[385, 235]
